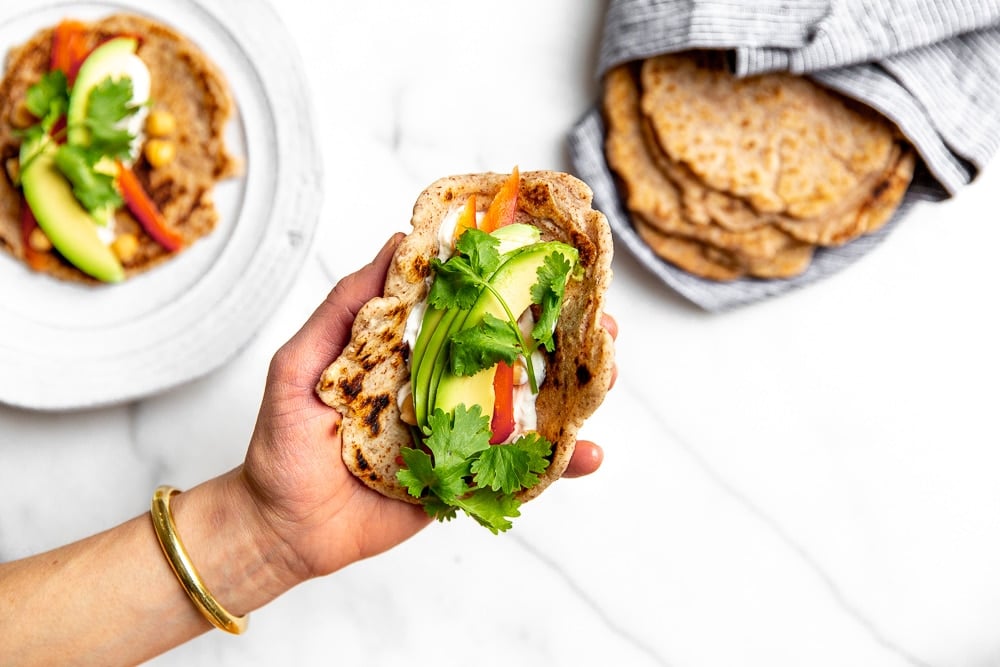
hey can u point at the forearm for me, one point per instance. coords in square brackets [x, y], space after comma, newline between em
[113, 599]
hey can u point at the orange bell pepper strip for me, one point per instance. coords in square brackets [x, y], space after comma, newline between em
[145, 210]
[503, 208]
[466, 218]
[69, 48]
[502, 423]
[36, 260]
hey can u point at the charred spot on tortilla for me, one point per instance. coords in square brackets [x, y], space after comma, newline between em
[349, 386]
[374, 407]
[359, 456]
[880, 189]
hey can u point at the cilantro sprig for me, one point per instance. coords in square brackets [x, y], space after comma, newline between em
[108, 105]
[459, 282]
[48, 100]
[84, 164]
[464, 472]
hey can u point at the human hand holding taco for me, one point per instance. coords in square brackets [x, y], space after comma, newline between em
[465, 385]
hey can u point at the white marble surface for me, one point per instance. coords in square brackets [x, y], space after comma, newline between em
[807, 481]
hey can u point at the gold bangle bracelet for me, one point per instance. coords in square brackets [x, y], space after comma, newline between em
[180, 563]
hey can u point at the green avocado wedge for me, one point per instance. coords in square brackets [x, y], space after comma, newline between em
[67, 224]
[434, 385]
[434, 329]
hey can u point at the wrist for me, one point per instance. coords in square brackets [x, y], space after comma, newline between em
[243, 563]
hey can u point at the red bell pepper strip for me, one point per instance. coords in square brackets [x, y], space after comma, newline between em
[69, 48]
[145, 210]
[36, 260]
[502, 424]
[503, 208]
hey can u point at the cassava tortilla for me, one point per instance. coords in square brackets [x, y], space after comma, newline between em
[185, 83]
[664, 221]
[779, 141]
[363, 382]
[732, 178]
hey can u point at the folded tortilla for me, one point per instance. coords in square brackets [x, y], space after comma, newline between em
[363, 383]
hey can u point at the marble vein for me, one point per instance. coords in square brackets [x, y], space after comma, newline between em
[840, 598]
[581, 594]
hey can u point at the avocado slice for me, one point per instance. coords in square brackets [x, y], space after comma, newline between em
[67, 224]
[113, 59]
[429, 322]
[433, 331]
[513, 281]
[515, 236]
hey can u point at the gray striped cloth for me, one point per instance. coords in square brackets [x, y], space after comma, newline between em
[931, 66]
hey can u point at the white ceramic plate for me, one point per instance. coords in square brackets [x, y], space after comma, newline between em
[66, 346]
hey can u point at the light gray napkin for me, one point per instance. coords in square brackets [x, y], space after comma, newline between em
[931, 66]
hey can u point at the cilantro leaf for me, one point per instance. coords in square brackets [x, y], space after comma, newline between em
[513, 467]
[539, 449]
[438, 509]
[482, 346]
[491, 509]
[503, 468]
[463, 471]
[548, 293]
[459, 281]
[107, 106]
[94, 189]
[456, 437]
[48, 99]
[418, 473]
[481, 249]
[455, 285]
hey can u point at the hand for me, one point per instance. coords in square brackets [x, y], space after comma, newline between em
[293, 467]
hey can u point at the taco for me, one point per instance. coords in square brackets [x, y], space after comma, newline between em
[111, 141]
[465, 385]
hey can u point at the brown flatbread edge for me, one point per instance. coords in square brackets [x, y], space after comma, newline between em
[363, 382]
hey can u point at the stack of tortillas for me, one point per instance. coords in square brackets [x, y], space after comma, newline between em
[731, 177]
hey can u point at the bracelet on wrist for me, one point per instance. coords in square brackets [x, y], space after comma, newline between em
[180, 563]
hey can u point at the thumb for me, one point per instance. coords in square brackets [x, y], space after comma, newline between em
[325, 334]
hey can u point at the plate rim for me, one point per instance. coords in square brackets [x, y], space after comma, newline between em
[273, 262]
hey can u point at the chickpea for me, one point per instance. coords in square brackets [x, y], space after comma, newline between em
[159, 152]
[38, 241]
[160, 123]
[407, 411]
[125, 246]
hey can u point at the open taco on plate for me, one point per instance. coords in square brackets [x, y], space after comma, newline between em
[465, 385]
[111, 142]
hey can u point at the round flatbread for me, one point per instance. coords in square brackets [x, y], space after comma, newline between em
[728, 177]
[780, 141]
[185, 83]
[655, 201]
